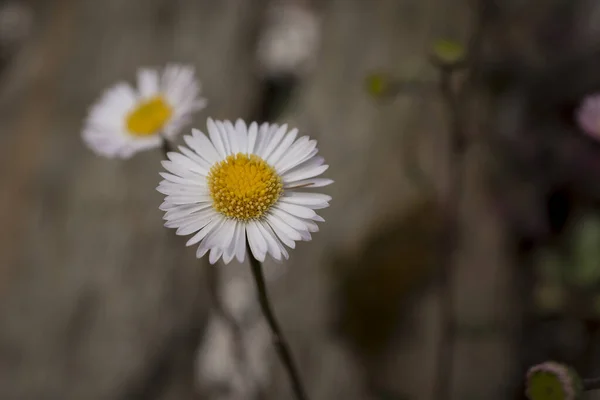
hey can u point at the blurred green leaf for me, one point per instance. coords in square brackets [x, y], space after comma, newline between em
[380, 84]
[448, 51]
[550, 297]
[550, 266]
[585, 270]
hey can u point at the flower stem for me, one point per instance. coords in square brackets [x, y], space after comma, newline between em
[279, 340]
[166, 146]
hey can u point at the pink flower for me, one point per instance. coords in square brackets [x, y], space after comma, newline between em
[588, 116]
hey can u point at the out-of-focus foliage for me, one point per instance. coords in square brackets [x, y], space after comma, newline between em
[569, 274]
[585, 270]
[448, 51]
[380, 85]
[550, 297]
[375, 283]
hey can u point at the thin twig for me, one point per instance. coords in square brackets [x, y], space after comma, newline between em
[279, 340]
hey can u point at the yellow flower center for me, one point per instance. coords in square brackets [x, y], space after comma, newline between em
[244, 187]
[149, 117]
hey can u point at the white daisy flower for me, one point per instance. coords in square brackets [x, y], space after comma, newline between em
[126, 120]
[244, 184]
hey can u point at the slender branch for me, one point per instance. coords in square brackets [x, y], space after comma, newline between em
[279, 340]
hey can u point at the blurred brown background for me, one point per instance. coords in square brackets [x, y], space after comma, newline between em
[99, 301]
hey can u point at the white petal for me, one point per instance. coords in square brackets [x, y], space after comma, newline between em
[305, 235]
[293, 209]
[264, 135]
[215, 254]
[215, 137]
[195, 157]
[180, 170]
[312, 227]
[187, 209]
[148, 82]
[300, 151]
[240, 247]
[273, 142]
[252, 133]
[232, 136]
[224, 236]
[205, 231]
[197, 222]
[295, 222]
[318, 218]
[213, 231]
[180, 219]
[201, 252]
[178, 180]
[319, 206]
[187, 199]
[306, 199]
[308, 183]
[227, 257]
[171, 189]
[188, 163]
[283, 147]
[186, 186]
[272, 246]
[231, 250]
[283, 237]
[225, 134]
[279, 225]
[202, 146]
[294, 152]
[297, 162]
[257, 243]
[265, 225]
[167, 206]
[305, 173]
[241, 136]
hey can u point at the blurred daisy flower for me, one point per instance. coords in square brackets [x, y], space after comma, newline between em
[244, 183]
[552, 381]
[290, 41]
[126, 120]
[588, 115]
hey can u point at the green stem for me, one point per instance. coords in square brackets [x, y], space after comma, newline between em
[279, 341]
[166, 146]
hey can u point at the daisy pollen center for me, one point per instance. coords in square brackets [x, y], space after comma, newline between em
[244, 187]
[149, 117]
